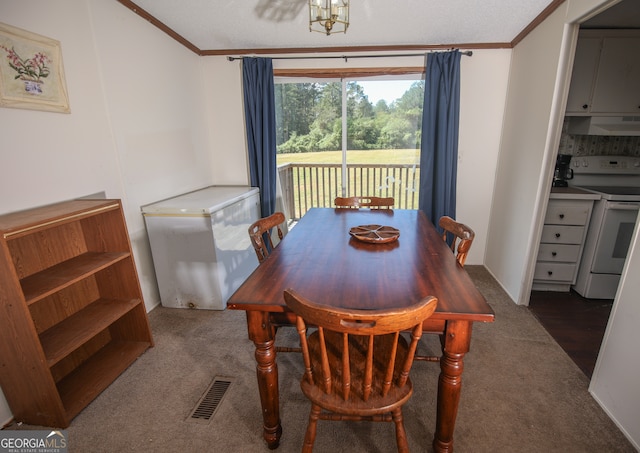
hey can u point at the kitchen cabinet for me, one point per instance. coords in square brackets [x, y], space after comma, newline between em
[617, 85]
[605, 74]
[562, 240]
[585, 65]
[72, 314]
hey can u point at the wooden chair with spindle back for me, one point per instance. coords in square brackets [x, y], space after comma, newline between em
[257, 232]
[356, 362]
[462, 237]
[460, 245]
[364, 202]
[263, 228]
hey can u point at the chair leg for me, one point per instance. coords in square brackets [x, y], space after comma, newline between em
[310, 435]
[401, 434]
[428, 358]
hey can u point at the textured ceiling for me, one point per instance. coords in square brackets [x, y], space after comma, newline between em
[268, 24]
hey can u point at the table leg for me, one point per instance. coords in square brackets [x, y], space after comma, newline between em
[262, 333]
[457, 338]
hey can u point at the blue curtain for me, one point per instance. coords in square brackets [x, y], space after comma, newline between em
[439, 147]
[260, 119]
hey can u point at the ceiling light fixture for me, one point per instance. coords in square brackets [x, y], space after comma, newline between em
[329, 16]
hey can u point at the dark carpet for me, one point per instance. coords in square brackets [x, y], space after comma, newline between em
[521, 393]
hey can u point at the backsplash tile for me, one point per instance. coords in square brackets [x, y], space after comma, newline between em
[597, 145]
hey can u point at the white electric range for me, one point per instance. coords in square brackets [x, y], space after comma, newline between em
[617, 180]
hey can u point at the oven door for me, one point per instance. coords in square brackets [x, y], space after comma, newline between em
[618, 222]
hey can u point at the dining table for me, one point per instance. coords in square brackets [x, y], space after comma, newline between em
[326, 258]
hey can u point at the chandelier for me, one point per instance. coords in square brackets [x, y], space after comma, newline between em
[329, 16]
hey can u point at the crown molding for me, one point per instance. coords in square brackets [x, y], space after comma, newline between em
[296, 50]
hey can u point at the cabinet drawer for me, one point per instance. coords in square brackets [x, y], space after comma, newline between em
[558, 214]
[559, 253]
[561, 234]
[555, 271]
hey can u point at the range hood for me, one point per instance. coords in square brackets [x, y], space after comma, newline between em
[604, 125]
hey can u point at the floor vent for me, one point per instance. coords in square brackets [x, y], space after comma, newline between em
[210, 401]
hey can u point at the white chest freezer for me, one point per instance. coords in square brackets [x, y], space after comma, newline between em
[200, 244]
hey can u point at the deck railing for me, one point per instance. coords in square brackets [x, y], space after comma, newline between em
[306, 186]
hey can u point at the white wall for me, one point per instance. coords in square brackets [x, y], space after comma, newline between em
[48, 157]
[152, 87]
[521, 159]
[137, 128]
[615, 378]
[225, 105]
[483, 91]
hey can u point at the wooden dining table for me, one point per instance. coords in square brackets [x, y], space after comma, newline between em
[324, 263]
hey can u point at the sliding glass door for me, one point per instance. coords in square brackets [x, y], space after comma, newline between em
[348, 137]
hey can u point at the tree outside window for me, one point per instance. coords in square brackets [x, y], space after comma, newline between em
[382, 145]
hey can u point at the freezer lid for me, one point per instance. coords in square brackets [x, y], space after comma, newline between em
[200, 202]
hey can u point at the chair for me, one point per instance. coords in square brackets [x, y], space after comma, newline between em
[364, 202]
[462, 237]
[356, 362]
[257, 234]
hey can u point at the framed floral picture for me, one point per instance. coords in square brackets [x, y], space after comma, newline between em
[31, 71]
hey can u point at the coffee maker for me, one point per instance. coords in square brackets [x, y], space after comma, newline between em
[563, 171]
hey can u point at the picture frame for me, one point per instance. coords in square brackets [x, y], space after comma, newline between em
[31, 71]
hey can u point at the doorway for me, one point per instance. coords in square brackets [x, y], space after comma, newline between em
[576, 323]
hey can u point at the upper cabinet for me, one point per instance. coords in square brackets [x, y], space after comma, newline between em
[606, 74]
[617, 86]
[585, 67]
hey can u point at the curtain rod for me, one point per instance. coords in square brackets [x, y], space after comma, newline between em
[468, 53]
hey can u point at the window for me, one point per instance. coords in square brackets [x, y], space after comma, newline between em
[379, 154]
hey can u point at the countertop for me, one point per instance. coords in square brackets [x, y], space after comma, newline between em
[572, 193]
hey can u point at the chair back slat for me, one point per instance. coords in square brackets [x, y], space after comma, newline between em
[367, 382]
[326, 369]
[346, 368]
[302, 332]
[388, 377]
[416, 334]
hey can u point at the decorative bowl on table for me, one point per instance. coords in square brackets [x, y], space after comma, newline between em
[375, 234]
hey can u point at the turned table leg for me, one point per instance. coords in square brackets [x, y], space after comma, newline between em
[262, 334]
[457, 338]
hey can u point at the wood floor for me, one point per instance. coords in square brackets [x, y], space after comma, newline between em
[577, 324]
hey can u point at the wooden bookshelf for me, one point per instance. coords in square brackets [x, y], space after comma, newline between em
[72, 317]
